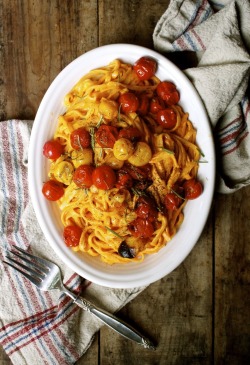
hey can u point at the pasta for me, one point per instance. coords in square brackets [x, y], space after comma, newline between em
[155, 160]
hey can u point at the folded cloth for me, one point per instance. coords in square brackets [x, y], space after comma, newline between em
[217, 34]
[39, 327]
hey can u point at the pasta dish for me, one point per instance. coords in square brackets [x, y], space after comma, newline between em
[123, 162]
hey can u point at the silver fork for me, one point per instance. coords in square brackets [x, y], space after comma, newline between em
[47, 276]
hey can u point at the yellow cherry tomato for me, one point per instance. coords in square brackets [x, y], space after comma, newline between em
[123, 149]
[64, 172]
[142, 154]
[108, 109]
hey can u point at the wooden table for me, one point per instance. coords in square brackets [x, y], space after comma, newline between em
[199, 314]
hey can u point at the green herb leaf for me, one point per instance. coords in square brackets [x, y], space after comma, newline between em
[114, 233]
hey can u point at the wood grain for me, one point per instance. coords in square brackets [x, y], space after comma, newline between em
[198, 314]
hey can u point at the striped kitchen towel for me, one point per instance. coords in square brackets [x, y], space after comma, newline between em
[39, 328]
[214, 36]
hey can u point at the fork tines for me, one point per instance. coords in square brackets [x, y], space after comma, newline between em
[35, 267]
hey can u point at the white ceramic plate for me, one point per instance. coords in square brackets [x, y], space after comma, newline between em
[196, 212]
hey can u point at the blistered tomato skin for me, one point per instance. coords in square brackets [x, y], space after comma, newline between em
[167, 91]
[52, 190]
[52, 149]
[72, 235]
[193, 189]
[83, 176]
[80, 138]
[167, 118]
[104, 177]
[129, 102]
[106, 136]
[142, 228]
[172, 201]
[145, 68]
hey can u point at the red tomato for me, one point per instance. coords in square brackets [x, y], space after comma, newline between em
[72, 235]
[83, 176]
[131, 133]
[80, 138]
[104, 177]
[168, 92]
[52, 149]
[138, 173]
[129, 102]
[141, 228]
[145, 208]
[106, 136]
[193, 189]
[145, 68]
[124, 180]
[52, 190]
[156, 104]
[172, 201]
[143, 105]
[167, 118]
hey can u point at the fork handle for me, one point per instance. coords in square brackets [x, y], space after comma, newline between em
[115, 323]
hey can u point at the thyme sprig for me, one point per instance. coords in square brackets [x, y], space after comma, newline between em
[112, 231]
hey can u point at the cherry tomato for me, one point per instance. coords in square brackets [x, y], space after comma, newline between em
[168, 92]
[83, 176]
[172, 201]
[167, 118]
[106, 136]
[192, 188]
[104, 177]
[145, 68]
[52, 190]
[143, 105]
[80, 138]
[156, 104]
[129, 102]
[141, 228]
[131, 133]
[139, 173]
[145, 208]
[72, 235]
[124, 180]
[52, 149]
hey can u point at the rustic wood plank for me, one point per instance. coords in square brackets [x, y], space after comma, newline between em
[232, 279]
[38, 39]
[129, 21]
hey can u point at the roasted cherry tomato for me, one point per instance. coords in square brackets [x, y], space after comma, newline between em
[145, 208]
[129, 102]
[52, 190]
[192, 188]
[143, 105]
[141, 228]
[131, 133]
[172, 201]
[80, 138]
[106, 136]
[72, 235]
[104, 177]
[145, 68]
[156, 104]
[124, 180]
[167, 118]
[83, 176]
[53, 149]
[139, 173]
[168, 92]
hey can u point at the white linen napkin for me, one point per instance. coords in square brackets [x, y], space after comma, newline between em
[38, 328]
[218, 36]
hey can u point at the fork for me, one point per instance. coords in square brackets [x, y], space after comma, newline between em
[46, 275]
